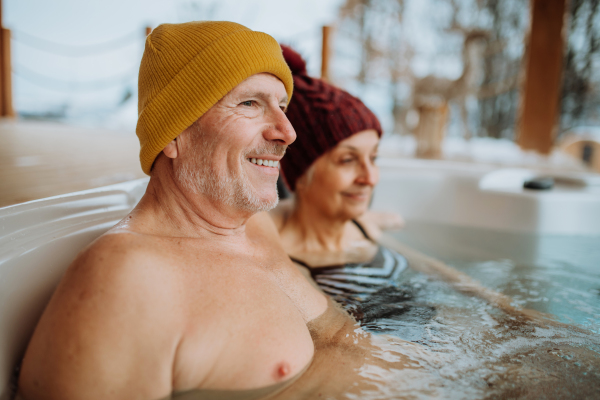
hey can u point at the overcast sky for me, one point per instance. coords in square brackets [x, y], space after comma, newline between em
[60, 65]
[89, 21]
[50, 72]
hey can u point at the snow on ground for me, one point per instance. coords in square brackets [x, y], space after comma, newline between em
[501, 152]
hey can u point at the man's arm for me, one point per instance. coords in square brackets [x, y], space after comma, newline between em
[105, 333]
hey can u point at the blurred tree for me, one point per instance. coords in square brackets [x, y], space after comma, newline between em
[374, 27]
[436, 91]
[499, 93]
[581, 76]
[386, 49]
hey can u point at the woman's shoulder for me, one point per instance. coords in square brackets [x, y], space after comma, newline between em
[375, 222]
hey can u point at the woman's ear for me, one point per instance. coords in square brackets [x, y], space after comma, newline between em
[171, 149]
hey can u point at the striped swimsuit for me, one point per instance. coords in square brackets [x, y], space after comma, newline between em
[375, 292]
[357, 281]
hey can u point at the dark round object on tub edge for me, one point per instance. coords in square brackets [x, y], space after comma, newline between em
[539, 184]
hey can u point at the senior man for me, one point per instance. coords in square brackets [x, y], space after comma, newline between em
[188, 292]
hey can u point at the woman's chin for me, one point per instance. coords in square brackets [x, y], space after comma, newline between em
[355, 210]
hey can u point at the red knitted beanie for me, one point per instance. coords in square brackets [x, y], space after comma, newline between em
[322, 116]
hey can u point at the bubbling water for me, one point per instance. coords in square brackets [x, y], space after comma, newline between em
[471, 350]
[423, 339]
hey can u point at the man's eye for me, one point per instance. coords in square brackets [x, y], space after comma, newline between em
[248, 103]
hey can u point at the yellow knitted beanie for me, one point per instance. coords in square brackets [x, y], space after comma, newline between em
[187, 68]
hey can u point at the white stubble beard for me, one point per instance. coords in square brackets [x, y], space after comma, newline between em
[199, 176]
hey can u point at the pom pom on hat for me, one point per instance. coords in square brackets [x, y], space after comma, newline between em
[294, 60]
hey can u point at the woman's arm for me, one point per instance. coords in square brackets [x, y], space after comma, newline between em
[420, 262]
[378, 221]
[460, 281]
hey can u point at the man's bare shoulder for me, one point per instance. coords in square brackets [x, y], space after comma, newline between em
[104, 314]
[120, 257]
[120, 270]
[123, 246]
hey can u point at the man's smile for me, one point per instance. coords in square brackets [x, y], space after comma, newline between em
[264, 162]
[266, 165]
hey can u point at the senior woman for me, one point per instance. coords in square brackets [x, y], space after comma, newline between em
[332, 172]
[326, 227]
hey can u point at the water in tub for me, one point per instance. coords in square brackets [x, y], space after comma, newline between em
[424, 339]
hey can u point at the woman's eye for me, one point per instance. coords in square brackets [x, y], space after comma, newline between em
[347, 160]
[248, 103]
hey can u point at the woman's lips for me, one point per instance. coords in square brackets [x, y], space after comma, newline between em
[360, 196]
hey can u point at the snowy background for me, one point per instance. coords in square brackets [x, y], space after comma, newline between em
[77, 61]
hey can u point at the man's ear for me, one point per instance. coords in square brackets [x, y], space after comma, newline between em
[171, 149]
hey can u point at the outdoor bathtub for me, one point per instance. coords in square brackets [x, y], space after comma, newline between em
[39, 239]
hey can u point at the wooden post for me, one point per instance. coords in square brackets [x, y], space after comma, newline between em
[6, 104]
[325, 53]
[6, 79]
[540, 102]
[431, 130]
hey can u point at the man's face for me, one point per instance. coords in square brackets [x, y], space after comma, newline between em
[218, 150]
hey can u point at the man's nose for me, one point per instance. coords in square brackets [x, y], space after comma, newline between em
[281, 129]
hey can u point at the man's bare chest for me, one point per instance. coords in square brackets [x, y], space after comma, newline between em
[242, 329]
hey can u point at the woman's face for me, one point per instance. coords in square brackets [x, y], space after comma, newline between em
[340, 182]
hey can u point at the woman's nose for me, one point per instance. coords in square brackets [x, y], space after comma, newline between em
[369, 174]
[280, 129]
